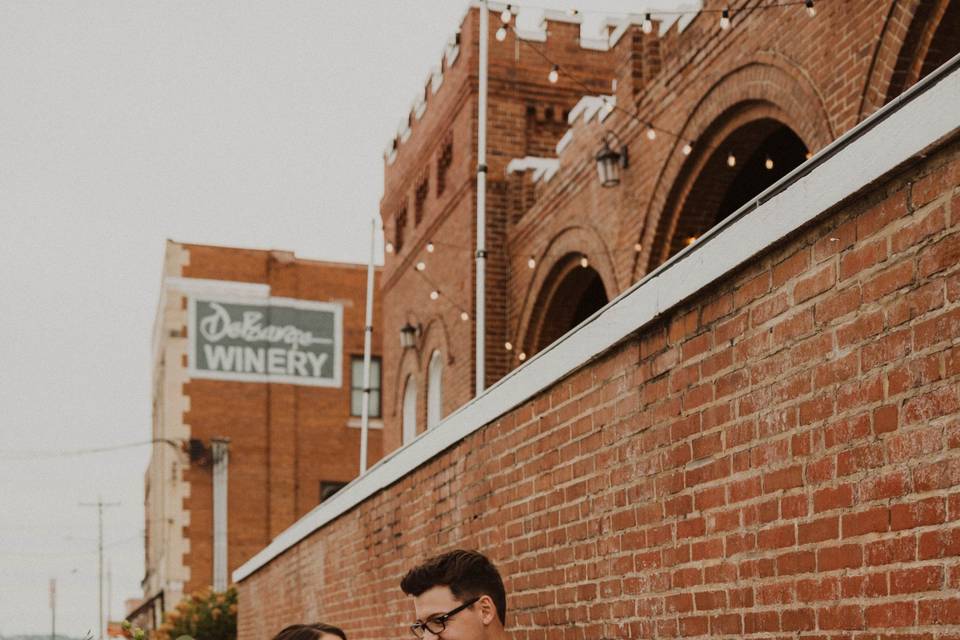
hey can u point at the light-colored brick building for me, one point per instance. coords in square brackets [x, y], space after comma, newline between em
[263, 348]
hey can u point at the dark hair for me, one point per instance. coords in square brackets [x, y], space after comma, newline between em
[468, 574]
[309, 632]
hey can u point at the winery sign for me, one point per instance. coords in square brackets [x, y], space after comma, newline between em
[273, 340]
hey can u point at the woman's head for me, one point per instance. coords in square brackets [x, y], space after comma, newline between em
[315, 631]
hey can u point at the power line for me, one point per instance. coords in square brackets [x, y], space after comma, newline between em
[66, 453]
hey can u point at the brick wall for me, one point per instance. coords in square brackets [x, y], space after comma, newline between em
[777, 456]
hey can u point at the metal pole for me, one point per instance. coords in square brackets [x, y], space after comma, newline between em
[53, 609]
[100, 504]
[221, 459]
[482, 200]
[367, 338]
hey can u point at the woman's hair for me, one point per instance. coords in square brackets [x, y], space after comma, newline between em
[309, 632]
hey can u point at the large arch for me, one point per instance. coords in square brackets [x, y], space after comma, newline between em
[772, 92]
[566, 247]
[572, 292]
[918, 36]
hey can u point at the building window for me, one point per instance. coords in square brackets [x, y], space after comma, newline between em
[328, 488]
[435, 390]
[400, 227]
[409, 410]
[420, 199]
[443, 163]
[356, 386]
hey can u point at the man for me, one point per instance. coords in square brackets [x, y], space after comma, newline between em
[457, 596]
[316, 631]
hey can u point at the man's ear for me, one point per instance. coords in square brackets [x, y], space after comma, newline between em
[488, 610]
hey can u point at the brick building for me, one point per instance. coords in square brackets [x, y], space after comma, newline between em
[760, 439]
[756, 436]
[753, 102]
[265, 349]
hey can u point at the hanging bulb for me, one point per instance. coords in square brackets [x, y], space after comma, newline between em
[434, 294]
[809, 155]
[731, 160]
[647, 24]
[389, 247]
[687, 149]
[554, 74]
[501, 34]
[464, 316]
[421, 266]
[430, 247]
[810, 10]
[651, 132]
[725, 19]
[691, 240]
[532, 263]
[521, 356]
[508, 346]
[638, 247]
[768, 163]
[506, 15]
[584, 262]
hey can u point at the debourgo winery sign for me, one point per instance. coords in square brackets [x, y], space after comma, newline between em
[277, 340]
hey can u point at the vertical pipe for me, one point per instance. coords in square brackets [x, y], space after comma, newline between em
[482, 200]
[221, 459]
[367, 337]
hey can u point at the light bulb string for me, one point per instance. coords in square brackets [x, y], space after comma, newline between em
[655, 12]
[440, 293]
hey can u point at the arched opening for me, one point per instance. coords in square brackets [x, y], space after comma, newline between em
[933, 38]
[572, 293]
[435, 390]
[409, 410]
[746, 161]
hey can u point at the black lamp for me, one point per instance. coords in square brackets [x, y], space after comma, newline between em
[408, 335]
[609, 161]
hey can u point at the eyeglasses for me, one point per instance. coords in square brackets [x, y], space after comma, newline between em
[438, 624]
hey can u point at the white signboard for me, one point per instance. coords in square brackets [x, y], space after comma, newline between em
[277, 340]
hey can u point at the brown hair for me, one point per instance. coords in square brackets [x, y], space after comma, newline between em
[468, 574]
[309, 632]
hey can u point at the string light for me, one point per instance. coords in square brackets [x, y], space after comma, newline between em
[501, 34]
[691, 240]
[464, 316]
[809, 155]
[687, 149]
[389, 247]
[651, 132]
[647, 24]
[506, 15]
[768, 163]
[521, 356]
[731, 160]
[725, 19]
[508, 346]
[421, 266]
[638, 247]
[810, 10]
[434, 294]
[532, 263]
[584, 262]
[554, 74]
[430, 247]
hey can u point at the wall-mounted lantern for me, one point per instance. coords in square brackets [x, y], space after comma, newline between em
[408, 335]
[610, 160]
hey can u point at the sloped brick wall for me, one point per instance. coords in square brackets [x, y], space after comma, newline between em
[779, 456]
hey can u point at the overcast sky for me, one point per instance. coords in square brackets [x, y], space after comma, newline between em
[123, 123]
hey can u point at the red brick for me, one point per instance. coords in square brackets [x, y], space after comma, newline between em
[815, 284]
[838, 304]
[788, 478]
[916, 580]
[929, 224]
[833, 498]
[945, 254]
[859, 329]
[941, 611]
[841, 617]
[931, 405]
[888, 281]
[848, 556]
[863, 522]
[890, 551]
[819, 530]
[891, 615]
[790, 267]
[796, 562]
[863, 258]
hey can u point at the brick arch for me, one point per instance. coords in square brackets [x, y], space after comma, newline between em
[902, 51]
[435, 337]
[563, 250]
[409, 364]
[771, 88]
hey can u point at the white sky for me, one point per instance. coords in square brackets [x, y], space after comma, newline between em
[123, 123]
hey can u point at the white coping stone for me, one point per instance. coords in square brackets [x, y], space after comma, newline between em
[543, 168]
[901, 130]
[564, 141]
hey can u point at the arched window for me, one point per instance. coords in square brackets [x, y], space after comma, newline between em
[409, 410]
[435, 390]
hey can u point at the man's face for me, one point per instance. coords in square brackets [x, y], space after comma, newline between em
[468, 624]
